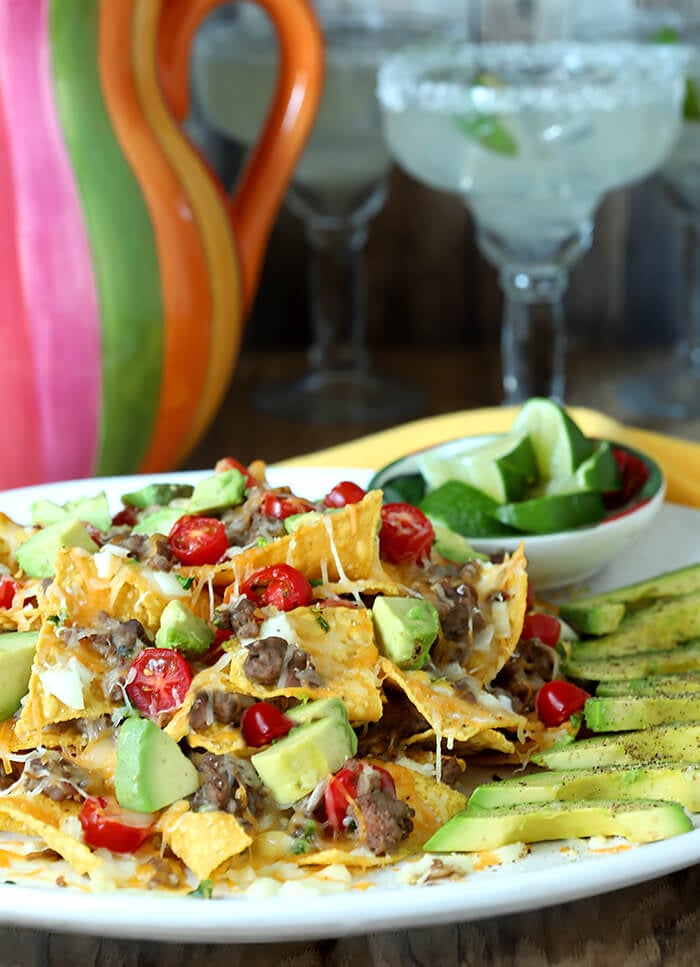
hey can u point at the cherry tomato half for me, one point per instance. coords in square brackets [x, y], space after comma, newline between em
[157, 681]
[198, 540]
[229, 463]
[634, 473]
[105, 824]
[341, 790]
[281, 506]
[543, 626]
[279, 585]
[344, 493]
[7, 591]
[128, 517]
[557, 701]
[263, 722]
[406, 534]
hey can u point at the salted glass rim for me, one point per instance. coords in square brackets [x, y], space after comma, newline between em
[641, 71]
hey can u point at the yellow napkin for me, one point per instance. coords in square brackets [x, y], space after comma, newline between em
[679, 459]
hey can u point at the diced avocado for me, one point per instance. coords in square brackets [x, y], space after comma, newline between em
[682, 658]
[157, 495]
[218, 492]
[652, 685]
[152, 771]
[661, 742]
[405, 629]
[660, 626]
[625, 713]
[639, 821]
[37, 555]
[160, 521]
[295, 521]
[454, 547]
[17, 650]
[600, 614]
[676, 781]
[293, 766]
[321, 708]
[94, 510]
[181, 629]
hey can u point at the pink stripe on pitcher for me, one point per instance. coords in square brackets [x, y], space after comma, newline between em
[20, 460]
[54, 254]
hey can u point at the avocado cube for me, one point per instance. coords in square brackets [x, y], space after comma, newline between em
[159, 522]
[37, 555]
[406, 629]
[157, 495]
[180, 628]
[222, 490]
[152, 771]
[17, 649]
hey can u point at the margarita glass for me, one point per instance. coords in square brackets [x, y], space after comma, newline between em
[532, 136]
[340, 183]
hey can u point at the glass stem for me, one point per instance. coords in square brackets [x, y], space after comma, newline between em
[338, 298]
[688, 347]
[533, 333]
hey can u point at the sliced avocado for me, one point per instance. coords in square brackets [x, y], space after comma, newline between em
[639, 821]
[454, 547]
[37, 555]
[676, 781]
[17, 650]
[405, 629]
[658, 743]
[625, 713]
[600, 614]
[221, 490]
[94, 510]
[652, 685]
[160, 521]
[682, 658]
[181, 629]
[293, 766]
[157, 495]
[152, 771]
[295, 521]
[321, 708]
[660, 626]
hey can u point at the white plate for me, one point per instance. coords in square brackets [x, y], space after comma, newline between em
[545, 877]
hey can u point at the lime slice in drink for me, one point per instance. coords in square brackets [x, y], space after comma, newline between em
[560, 446]
[503, 468]
[599, 472]
[547, 515]
[463, 509]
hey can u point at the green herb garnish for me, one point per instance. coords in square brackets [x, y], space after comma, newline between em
[204, 891]
[185, 582]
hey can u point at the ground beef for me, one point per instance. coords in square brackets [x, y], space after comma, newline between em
[152, 551]
[218, 706]
[116, 640]
[400, 720]
[525, 672]
[246, 523]
[230, 784]
[273, 661]
[55, 776]
[238, 617]
[383, 820]
[457, 603]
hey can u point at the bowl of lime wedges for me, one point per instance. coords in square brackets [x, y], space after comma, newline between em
[573, 501]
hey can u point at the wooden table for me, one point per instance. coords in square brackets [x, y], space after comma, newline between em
[649, 924]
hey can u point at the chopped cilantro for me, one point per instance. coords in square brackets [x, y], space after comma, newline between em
[185, 582]
[58, 619]
[321, 620]
[261, 542]
[204, 891]
[315, 582]
[305, 839]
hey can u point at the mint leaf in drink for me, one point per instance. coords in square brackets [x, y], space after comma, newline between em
[691, 102]
[487, 129]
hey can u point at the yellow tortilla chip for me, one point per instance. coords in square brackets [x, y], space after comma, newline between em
[11, 536]
[37, 815]
[450, 716]
[341, 643]
[203, 841]
[433, 804]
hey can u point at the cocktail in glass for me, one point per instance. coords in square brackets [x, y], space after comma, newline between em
[532, 136]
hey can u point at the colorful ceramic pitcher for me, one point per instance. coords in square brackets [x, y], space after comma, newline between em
[125, 271]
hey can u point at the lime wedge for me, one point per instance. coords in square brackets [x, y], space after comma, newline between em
[546, 515]
[463, 509]
[560, 446]
[599, 472]
[503, 468]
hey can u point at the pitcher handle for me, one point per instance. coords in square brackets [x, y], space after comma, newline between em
[271, 161]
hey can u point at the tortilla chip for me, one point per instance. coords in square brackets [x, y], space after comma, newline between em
[203, 841]
[11, 536]
[37, 815]
[341, 643]
[452, 717]
[433, 804]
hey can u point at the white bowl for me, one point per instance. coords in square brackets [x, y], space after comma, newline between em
[567, 557]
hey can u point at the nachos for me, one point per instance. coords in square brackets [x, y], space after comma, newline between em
[224, 677]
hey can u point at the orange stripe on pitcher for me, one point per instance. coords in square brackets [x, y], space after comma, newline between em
[183, 264]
